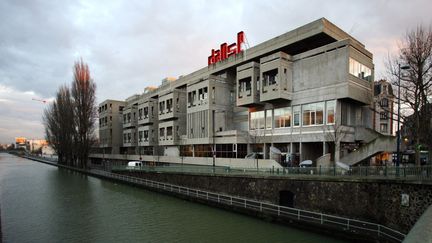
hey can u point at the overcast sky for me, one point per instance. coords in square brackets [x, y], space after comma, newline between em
[132, 44]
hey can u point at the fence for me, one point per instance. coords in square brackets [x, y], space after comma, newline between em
[384, 172]
[343, 224]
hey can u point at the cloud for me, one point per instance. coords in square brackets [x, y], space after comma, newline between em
[20, 115]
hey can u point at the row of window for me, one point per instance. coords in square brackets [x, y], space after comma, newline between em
[127, 137]
[202, 95]
[143, 113]
[307, 115]
[104, 107]
[104, 121]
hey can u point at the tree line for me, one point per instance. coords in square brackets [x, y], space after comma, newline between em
[70, 119]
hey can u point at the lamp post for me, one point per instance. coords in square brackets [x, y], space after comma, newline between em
[398, 120]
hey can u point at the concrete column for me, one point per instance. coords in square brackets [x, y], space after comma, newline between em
[301, 151]
[324, 148]
[193, 150]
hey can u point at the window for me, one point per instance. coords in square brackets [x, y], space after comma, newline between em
[270, 77]
[245, 86]
[161, 107]
[146, 134]
[169, 131]
[331, 108]
[383, 115]
[359, 70]
[146, 112]
[307, 114]
[269, 119]
[282, 117]
[383, 127]
[384, 103]
[319, 113]
[313, 114]
[256, 120]
[140, 135]
[169, 105]
[140, 114]
[162, 132]
[205, 93]
[296, 111]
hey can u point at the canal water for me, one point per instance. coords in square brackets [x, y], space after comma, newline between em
[42, 203]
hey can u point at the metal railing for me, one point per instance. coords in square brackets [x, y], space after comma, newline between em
[344, 224]
[353, 226]
[379, 172]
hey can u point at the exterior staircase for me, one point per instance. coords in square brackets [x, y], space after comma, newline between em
[374, 143]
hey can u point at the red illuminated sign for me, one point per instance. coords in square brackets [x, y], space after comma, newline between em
[227, 50]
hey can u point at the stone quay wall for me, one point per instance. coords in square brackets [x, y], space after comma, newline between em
[374, 200]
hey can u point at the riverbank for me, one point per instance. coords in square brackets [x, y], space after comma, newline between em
[342, 227]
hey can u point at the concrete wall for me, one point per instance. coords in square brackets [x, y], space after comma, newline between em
[376, 201]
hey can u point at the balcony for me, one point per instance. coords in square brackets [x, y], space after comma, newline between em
[276, 77]
[169, 133]
[248, 84]
[148, 112]
[147, 135]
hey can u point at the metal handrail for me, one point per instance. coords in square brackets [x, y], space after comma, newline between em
[344, 224]
[298, 214]
[378, 172]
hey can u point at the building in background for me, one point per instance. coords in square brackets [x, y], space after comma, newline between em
[20, 143]
[383, 107]
[35, 145]
[110, 126]
[301, 95]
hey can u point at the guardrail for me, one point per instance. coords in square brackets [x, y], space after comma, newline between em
[384, 172]
[353, 226]
[344, 224]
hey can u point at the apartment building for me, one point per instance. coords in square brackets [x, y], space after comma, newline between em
[299, 94]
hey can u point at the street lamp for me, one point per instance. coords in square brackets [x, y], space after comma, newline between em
[398, 121]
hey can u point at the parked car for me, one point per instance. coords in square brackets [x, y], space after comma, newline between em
[134, 165]
[306, 163]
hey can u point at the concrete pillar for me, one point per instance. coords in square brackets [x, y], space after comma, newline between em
[265, 151]
[193, 150]
[325, 149]
[301, 151]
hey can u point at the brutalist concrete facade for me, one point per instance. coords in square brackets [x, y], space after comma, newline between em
[291, 94]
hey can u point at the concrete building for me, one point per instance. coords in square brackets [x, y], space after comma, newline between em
[110, 126]
[302, 95]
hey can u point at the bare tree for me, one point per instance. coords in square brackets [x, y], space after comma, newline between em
[415, 51]
[84, 96]
[254, 137]
[334, 134]
[59, 125]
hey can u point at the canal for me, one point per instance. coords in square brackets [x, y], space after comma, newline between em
[42, 203]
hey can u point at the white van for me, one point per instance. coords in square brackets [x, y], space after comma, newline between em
[134, 164]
